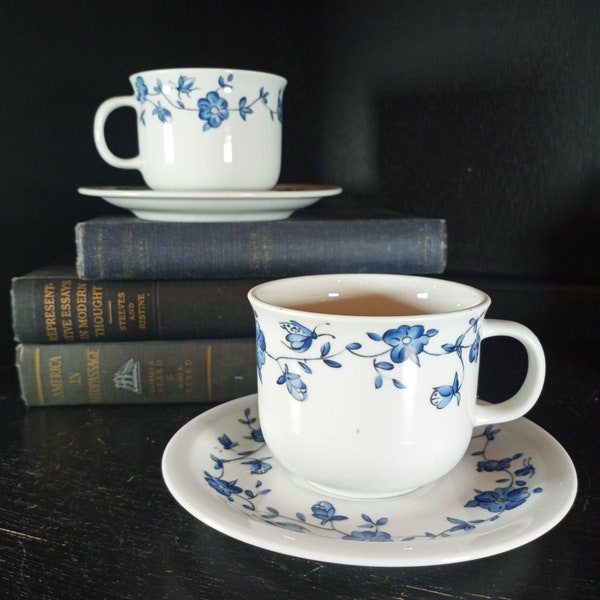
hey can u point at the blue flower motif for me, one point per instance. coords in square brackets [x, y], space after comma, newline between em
[294, 384]
[491, 465]
[258, 467]
[162, 113]
[225, 488]
[370, 532]
[226, 442]
[299, 337]
[279, 109]
[500, 499]
[326, 512]
[219, 463]
[261, 347]
[226, 85]
[243, 108]
[528, 469]
[184, 85]
[444, 394]
[368, 536]
[474, 350]
[141, 89]
[407, 342]
[459, 525]
[489, 432]
[256, 435]
[213, 109]
[496, 501]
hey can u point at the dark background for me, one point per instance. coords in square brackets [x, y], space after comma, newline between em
[484, 113]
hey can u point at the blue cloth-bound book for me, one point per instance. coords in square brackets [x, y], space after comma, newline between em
[310, 242]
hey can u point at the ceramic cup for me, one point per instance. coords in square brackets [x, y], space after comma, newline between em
[202, 129]
[367, 383]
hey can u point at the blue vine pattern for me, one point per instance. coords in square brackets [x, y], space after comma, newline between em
[212, 108]
[511, 492]
[402, 344]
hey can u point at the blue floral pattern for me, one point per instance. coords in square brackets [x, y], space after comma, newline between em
[511, 490]
[211, 108]
[394, 347]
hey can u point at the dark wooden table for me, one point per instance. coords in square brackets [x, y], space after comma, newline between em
[85, 512]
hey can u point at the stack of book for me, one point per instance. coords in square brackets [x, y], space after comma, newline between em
[157, 311]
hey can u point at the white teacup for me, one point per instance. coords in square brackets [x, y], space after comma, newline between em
[367, 384]
[202, 129]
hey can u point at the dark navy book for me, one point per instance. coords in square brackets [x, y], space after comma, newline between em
[309, 242]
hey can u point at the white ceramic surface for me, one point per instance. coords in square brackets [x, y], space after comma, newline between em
[201, 129]
[268, 205]
[375, 406]
[514, 484]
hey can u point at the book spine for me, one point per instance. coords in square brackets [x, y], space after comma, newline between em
[136, 372]
[136, 249]
[62, 309]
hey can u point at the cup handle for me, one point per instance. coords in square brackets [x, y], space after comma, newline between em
[102, 113]
[529, 392]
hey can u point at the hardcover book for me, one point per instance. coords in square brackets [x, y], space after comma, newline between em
[136, 372]
[53, 305]
[310, 242]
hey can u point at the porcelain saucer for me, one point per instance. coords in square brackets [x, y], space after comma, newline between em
[208, 207]
[514, 483]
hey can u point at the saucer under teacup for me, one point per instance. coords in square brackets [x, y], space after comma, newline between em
[213, 206]
[514, 484]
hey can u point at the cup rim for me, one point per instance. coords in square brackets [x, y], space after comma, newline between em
[479, 306]
[176, 71]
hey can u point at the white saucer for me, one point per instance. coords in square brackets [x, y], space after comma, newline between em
[218, 468]
[209, 207]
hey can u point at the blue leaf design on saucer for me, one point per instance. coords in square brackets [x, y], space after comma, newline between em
[249, 489]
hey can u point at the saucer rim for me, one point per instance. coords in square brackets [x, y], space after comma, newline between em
[210, 510]
[211, 207]
[276, 193]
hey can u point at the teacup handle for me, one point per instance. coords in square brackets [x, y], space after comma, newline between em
[102, 113]
[529, 392]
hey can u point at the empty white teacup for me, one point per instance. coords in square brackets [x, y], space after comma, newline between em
[367, 384]
[202, 129]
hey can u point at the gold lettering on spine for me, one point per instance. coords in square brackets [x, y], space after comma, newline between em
[66, 314]
[98, 311]
[50, 312]
[93, 375]
[121, 312]
[266, 250]
[56, 379]
[185, 377]
[260, 250]
[82, 312]
[254, 253]
[157, 376]
[141, 303]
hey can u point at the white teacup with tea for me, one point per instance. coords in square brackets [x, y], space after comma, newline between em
[367, 383]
